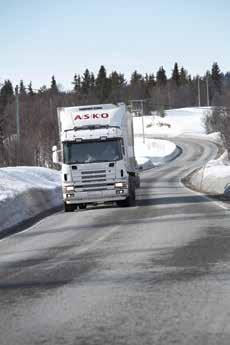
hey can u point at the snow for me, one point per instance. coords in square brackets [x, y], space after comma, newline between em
[213, 177]
[26, 192]
[153, 152]
[177, 122]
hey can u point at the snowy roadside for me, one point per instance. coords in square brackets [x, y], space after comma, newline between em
[26, 192]
[154, 152]
[214, 177]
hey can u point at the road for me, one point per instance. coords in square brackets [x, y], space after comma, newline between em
[156, 273]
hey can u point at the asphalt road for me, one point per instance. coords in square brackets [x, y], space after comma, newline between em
[156, 273]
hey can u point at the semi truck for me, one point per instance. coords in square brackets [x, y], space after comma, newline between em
[97, 155]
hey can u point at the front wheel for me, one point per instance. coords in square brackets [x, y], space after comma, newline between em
[130, 200]
[82, 206]
[69, 207]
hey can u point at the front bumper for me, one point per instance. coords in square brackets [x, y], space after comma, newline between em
[95, 196]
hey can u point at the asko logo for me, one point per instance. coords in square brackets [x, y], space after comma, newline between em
[91, 116]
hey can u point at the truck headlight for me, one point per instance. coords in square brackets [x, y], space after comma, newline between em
[120, 185]
[68, 189]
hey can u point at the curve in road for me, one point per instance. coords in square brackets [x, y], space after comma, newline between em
[157, 273]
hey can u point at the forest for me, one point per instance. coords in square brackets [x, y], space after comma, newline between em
[28, 119]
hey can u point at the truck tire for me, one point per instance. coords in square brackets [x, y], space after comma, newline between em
[69, 207]
[82, 206]
[131, 199]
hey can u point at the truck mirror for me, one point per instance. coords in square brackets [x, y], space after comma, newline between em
[55, 155]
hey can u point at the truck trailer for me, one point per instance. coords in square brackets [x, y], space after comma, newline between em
[97, 155]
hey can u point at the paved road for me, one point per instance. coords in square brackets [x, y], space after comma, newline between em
[157, 273]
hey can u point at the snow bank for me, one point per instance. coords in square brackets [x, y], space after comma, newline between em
[176, 122]
[27, 191]
[154, 152]
[213, 177]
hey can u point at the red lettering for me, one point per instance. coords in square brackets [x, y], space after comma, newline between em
[95, 116]
[77, 117]
[92, 116]
[105, 115]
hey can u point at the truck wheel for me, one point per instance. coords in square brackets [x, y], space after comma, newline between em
[69, 207]
[82, 206]
[130, 200]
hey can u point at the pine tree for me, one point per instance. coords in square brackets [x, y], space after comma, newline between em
[86, 82]
[30, 89]
[6, 93]
[22, 89]
[77, 83]
[92, 81]
[216, 77]
[176, 74]
[183, 76]
[53, 86]
[161, 77]
[102, 85]
[136, 78]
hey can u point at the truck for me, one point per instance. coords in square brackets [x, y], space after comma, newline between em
[96, 152]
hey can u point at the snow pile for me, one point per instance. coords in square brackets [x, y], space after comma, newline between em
[176, 122]
[213, 177]
[26, 192]
[153, 152]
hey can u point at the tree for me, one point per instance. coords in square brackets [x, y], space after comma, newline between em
[53, 87]
[176, 75]
[136, 78]
[30, 89]
[6, 93]
[22, 89]
[102, 85]
[77, 83]
[161, 77]
[216, 78]
[86, 82]
[183, 76]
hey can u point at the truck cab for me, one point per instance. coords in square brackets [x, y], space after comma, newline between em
[98, 163]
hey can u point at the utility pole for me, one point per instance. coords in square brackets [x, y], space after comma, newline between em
[198, 83]
[207, 89]
[17, 114]
[143, 125]
[17, 122]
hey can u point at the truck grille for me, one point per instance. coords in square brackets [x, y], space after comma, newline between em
[94, 180]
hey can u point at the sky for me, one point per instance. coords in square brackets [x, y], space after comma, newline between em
[41, 38]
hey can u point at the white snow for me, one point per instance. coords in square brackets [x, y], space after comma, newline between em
[153, 152]
[213, 177]
[26, 192]
[182, 121]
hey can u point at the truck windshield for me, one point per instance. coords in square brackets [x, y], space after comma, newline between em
[92, 151]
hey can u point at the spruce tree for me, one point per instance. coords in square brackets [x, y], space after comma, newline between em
[216, 77]
[161, 77]
[6, 93]
[102, 85]
[183, 76]
[76, 83]
[86, 82]
[53, 86]
[22, 89]
[30, 89]
[176, 74]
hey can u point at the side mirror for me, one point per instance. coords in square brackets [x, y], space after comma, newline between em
[55, 155]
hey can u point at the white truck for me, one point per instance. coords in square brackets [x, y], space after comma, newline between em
[97, 155]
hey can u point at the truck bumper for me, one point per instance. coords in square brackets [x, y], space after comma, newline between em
[95, 196]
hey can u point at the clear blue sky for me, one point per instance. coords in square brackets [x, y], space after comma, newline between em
[40, 38]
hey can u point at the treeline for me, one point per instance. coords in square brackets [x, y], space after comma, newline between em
[30, 143]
